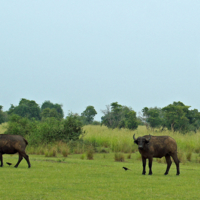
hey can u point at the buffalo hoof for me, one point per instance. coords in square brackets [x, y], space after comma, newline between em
[150, 174]
[177, 174]
[165, 173]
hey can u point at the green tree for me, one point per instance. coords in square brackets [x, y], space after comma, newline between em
[88, 115]
[57, 107]
[176, 117]
[73, 127]
[48, 112]
[194, 119]
[119, 117]
[153, 117]
[26, 108]
[131, 120]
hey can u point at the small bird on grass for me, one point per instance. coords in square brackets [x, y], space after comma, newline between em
[8, 163]
[125, 168]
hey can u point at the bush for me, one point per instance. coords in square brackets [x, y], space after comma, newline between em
[65, 152]
[119, 157]
[20, 126]
[51, 153]
[72, 127]
[82, 157]
[90, 153]
[47, 131]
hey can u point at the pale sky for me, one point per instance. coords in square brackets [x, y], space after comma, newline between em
[143, 53]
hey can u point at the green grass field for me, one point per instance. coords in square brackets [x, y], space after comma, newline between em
[101, 178]
[75, 177]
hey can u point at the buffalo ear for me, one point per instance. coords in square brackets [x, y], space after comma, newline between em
[146, 141]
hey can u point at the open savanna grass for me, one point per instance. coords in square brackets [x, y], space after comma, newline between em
[122, 139]
[101, 178]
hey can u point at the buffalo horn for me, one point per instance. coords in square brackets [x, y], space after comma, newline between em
[134, 137]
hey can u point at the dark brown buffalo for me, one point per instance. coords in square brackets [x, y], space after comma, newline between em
[11, 144]
[156, 147]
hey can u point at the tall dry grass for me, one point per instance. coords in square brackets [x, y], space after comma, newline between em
[121, 140]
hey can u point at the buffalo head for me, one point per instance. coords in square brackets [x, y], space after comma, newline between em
[141, 141]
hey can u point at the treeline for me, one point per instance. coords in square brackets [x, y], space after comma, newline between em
[45, 124]
[30, 116]
[32, 111]
[175, 117]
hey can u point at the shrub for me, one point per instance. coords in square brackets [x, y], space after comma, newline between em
[51, 153]
[90, 153]
[65, 151]
[20, 126]
[72, 127]
[48, 131]
[119, 157]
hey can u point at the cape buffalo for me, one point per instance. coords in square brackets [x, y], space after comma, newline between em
[156, 147]
[11, 144]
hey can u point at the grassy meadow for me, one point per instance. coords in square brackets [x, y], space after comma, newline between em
[64, 171]
[101, 178]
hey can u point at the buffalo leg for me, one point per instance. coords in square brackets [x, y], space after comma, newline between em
[27, 159]
[1, 158]
[169, 162]
[175, 158]
[20, 158]
[144, 165]
[150, 166]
